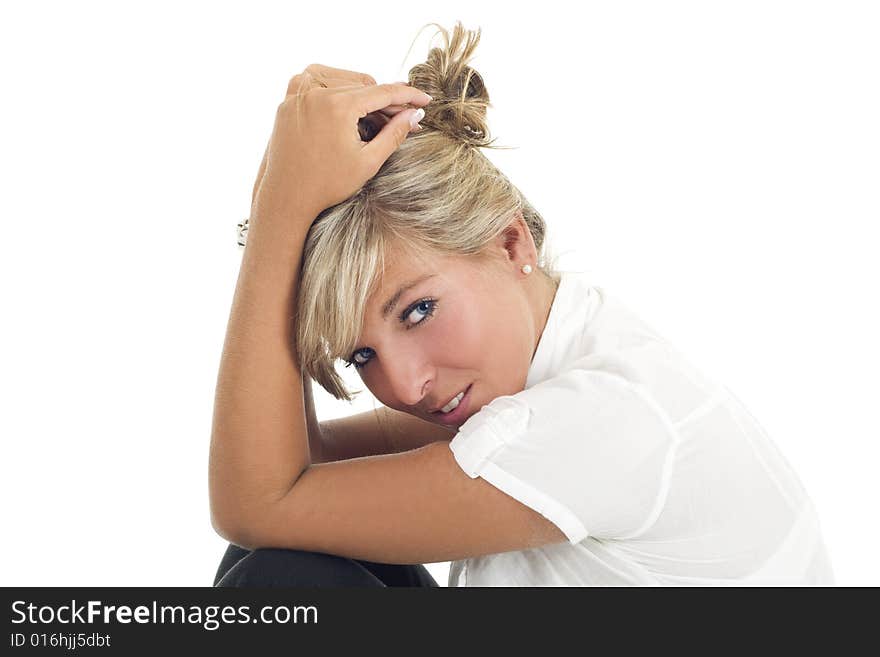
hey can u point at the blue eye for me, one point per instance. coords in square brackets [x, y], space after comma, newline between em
[425, 307]
[429, 306]
[357, 365]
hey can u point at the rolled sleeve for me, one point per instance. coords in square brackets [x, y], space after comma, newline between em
[588, 449]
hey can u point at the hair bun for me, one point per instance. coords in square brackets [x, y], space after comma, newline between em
[459, 93]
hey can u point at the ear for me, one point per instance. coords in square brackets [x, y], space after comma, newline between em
[517, 244]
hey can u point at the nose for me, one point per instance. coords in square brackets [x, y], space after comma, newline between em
[409, 379]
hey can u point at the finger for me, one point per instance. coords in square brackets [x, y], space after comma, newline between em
[327, 72]
[370, 125]
[391, 110]
[333, 84]
[341, 82]
[299, 83]
[376, 97]
[303, 82]
[386, 114]
[391, 137]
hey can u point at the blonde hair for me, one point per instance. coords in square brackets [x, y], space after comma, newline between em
[437, 193]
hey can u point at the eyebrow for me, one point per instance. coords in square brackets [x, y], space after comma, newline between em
[392, 302]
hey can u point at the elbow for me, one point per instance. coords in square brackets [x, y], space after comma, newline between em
[232, 520]
[250, 526]
[237, 529]
[226, 524]
[223, 527]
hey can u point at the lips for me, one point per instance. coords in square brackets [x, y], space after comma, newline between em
[457, 399]
[440, 408]
[457, 413]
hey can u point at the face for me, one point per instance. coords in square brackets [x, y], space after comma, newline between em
[464, 324]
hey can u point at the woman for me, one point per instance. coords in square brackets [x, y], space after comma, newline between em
[584, 449]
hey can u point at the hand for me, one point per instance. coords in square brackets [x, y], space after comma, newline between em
[316, 157]
[332, 77]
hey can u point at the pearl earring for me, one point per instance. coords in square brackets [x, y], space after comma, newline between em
[526, 269]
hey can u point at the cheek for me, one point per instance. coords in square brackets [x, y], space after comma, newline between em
[506, 341]
[457, 337]
[476, 333]
[501, 317]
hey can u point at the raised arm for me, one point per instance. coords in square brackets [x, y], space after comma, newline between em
[259, 436]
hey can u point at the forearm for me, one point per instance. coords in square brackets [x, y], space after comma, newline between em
[259, 435]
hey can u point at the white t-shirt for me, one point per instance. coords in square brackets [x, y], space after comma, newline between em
[656, 474]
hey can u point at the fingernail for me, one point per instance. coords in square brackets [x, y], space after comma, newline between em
[416, 116]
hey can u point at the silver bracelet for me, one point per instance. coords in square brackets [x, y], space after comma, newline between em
[242, 231]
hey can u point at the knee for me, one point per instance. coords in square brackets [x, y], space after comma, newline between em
[277, 567]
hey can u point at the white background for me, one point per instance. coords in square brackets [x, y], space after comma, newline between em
[715, 165]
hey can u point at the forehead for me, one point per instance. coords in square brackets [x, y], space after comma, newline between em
[402, 265]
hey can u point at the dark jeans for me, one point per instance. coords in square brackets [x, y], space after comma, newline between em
[275, 567]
